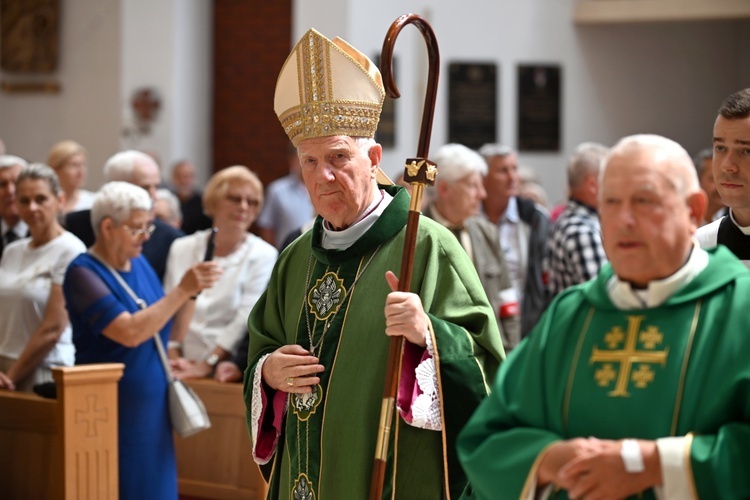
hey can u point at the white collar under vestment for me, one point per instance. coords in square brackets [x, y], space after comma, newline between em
[745, 229]
[341, 240]
[624, 296]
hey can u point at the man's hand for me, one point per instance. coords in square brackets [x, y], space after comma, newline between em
[601, 474]
[557, 455]
[404, 314]
[290, 368]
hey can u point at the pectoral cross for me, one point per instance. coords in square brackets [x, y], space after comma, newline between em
[629, 355]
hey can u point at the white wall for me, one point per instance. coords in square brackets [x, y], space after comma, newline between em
[167, 46]
[87, 108]
[110, 48]
[617, 80]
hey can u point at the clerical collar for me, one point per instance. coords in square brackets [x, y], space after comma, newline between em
[345, 238]
[624, 296]
[745, 229]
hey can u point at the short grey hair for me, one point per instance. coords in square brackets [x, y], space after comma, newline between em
[680, 173]
[587, 159]
[121, 166]
[172, 202]
[117, 200]
[40, 172]
[456, 161]
[699, 160]
[7, 161]
[491, 150]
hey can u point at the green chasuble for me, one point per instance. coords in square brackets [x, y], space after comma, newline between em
[337, 297]
[589, 369]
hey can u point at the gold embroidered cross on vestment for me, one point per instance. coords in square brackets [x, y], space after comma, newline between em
[628, 356]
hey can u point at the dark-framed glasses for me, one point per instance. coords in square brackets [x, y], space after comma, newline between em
[237, 200]
[140, 231]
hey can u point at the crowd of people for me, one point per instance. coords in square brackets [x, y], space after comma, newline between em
[533, 346]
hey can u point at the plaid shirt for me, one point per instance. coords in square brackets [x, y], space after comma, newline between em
[574, 248]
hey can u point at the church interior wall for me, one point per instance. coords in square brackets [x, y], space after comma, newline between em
[665, 78]
[87, 109]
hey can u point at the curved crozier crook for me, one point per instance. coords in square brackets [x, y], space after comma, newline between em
[433, 54]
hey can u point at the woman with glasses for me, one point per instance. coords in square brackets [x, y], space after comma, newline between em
[34, 330]
[209, 329]
[109, 326]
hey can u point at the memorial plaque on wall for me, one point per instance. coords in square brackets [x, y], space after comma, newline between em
[472, 104]
[539, 108]
[385, 135]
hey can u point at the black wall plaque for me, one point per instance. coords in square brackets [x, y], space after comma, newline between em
[539, 108]
[472, 104]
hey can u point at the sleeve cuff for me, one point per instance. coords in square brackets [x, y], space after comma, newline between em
[264, 440]
[676, 472]
[418, 396]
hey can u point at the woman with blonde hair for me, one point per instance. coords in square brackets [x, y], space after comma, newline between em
[35, 333]
[209, 329]
[68, 159]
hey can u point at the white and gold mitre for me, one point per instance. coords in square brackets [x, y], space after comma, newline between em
[328, 88]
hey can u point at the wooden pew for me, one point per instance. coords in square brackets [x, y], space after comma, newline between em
[218, 463]
[64, 448]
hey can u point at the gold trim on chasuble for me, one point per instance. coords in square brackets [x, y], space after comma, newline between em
[318, 113]
[330, 286]
[650, 338]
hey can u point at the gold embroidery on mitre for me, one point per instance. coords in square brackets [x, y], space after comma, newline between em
[327, 296]
[323, 110]
[628, 356]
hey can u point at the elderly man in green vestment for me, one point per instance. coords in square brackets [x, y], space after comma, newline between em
[635, 383]
[319, 335]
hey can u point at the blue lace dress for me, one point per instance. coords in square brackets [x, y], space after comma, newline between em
[94, 299]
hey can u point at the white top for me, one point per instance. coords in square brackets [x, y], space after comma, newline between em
[514, 240]
[26, 275]
[221, 312]
[85, 200]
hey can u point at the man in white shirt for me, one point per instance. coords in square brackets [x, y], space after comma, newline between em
[523, 227]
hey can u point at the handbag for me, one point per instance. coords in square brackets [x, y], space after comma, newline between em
[186, 410]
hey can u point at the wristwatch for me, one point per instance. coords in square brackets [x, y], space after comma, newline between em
[631, 456]
[212, 360]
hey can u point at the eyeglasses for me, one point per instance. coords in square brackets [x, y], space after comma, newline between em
[237, 200]
[141, 231]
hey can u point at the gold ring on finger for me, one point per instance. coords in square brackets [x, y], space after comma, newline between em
[290, 381]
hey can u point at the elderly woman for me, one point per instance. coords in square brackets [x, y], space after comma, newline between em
[108, 326]
[209, 329]
[34, 329]
[68, 159]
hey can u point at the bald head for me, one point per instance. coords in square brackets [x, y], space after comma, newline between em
[136, 168]
[664, 156]
[650, 206]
